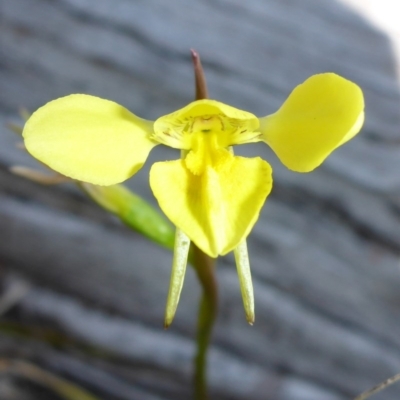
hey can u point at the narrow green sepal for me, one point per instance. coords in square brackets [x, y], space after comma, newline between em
[134, 211]
[181, 251]
[246, 285]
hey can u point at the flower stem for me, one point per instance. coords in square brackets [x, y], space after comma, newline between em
[204, 267]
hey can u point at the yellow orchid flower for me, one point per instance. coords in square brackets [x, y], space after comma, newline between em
[212, 196]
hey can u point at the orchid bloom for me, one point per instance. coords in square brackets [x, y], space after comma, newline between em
[212, 196]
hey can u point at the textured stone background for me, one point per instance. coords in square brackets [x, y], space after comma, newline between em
[325, 253]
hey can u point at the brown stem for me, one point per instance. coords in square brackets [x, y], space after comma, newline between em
[378, 387]
[200, 79]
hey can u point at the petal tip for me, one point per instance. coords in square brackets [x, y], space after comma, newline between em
[250, 320]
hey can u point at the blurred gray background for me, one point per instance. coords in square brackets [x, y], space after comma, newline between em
[83, 297]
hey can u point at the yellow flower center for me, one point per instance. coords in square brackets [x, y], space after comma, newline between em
[207, 117]
[206, 140]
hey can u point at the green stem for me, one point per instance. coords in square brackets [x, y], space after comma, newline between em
[204, 267]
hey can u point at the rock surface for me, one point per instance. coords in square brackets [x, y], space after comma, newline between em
[324, 254]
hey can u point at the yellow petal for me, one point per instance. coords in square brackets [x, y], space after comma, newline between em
[218, 208]
[319, 115]
[89, 139]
